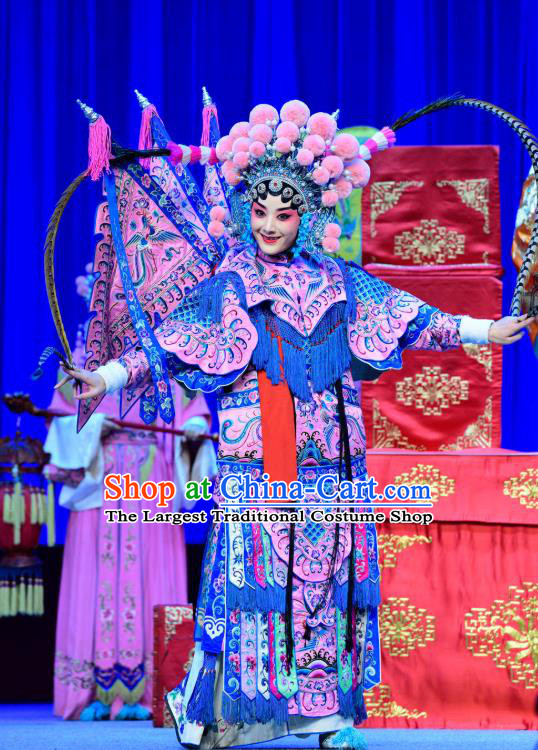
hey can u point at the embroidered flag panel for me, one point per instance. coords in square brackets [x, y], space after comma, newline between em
[432, 205]
[440, 401]
[458, 607]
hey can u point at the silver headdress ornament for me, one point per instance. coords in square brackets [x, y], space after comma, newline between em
[285, 177]
[206, 97]
[142, 100]
[89, 113]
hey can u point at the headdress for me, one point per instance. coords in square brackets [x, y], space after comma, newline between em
[297, 156]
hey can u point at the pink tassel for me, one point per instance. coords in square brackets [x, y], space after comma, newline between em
[99, 148]
[207, 111]
[145, 140]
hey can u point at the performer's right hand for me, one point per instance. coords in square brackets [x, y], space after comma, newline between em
[95, 382]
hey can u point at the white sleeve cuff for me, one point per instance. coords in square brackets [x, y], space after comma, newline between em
[114, 374]
[195, 423]
[474, 330]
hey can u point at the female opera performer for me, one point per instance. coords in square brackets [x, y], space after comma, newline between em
[286, 628]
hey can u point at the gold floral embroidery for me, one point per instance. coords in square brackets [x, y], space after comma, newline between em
[508, 633]
[390, 545]
[426, 474]
[387, 434]
[472, 193]
[384, 196]
[476, 435]
[404, 627]
[483, 354]
[429, 242]
[524, 488]
[174, 616]
[432, 390]
[379, 702]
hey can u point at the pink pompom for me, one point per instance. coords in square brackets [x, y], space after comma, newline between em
[334, 165]
[262, 114]
[230, 173]
[330, 244]
[261, 133]
[288, 130]
[314, 143]
[240, 144]
[215, 228]
[304, 157]
[240, 130]
[321, 176]
[283, 145]
[358, 173]
[257, 148]
[345, 146]
[217, 213]
[343, 187]
[224, 147]
[322, 124]
[240, 159]
[329, 198]
[333, 230]
[295, 111]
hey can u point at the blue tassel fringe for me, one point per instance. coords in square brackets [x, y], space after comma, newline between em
[201, 706]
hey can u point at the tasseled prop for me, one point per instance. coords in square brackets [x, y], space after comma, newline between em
[345, 738]
[51, 518]
[17, 507]
[21, 591]
[145, 140]
[7, 513]
[99, 148]
[289, 598]
[201, 704]
[208, 111]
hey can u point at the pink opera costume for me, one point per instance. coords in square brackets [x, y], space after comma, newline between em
[113, 574]
[286, 628]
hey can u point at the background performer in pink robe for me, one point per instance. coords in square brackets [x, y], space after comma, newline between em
[113, 574]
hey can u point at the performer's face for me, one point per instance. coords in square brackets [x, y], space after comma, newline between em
[274, 224]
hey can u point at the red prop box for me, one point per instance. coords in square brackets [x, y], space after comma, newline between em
[440, 400]
[459, 611]
[173, 634]
[432, 205]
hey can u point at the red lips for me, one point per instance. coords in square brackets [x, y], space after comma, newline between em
[269, 240]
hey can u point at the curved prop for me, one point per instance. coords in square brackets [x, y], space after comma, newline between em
[50, 242]
[525, 287]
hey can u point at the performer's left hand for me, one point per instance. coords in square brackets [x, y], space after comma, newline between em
[509, 329]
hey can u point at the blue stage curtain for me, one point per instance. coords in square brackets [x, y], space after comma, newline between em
[374, 60]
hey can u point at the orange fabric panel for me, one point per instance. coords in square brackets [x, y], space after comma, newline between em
[278, 430]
